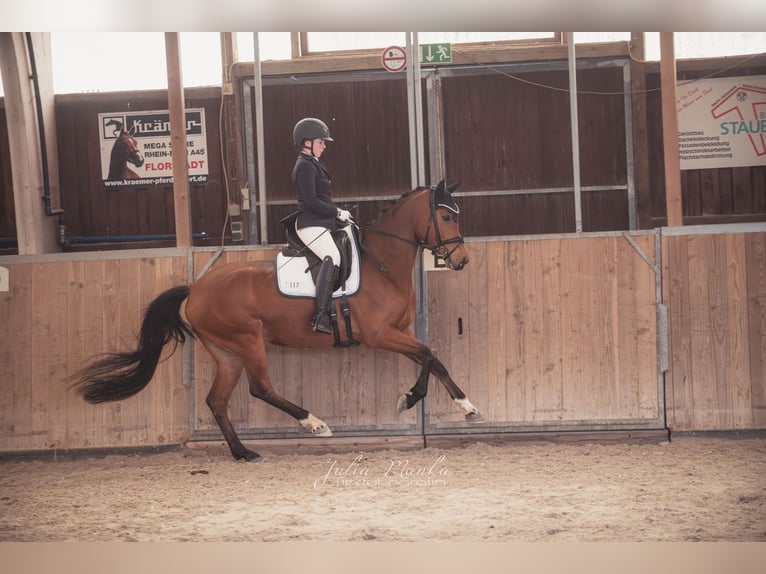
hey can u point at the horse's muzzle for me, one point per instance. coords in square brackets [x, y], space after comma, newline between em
[459, 265]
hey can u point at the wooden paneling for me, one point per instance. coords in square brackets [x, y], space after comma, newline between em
[715, 289]
[542, 334]
[512, 132]
[554, 331]
[368, 122]
[56, 314]
[349, 389]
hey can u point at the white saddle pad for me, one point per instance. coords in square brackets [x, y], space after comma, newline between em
[294, 278]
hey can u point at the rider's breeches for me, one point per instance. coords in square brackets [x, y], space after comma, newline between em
[320, 241]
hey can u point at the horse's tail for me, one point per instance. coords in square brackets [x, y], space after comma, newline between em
[117, 376]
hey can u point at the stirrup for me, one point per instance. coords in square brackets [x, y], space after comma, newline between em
[322, 323]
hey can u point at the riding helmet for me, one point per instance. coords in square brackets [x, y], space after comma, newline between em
[310, 129]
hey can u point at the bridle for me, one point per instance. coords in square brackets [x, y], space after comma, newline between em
[441, 247]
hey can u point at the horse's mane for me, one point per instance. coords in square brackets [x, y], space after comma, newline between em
[393, 204]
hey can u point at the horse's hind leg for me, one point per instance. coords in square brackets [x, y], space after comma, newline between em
[226, 378]
[260, 387]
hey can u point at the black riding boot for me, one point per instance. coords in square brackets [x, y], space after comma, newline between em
[326, 277]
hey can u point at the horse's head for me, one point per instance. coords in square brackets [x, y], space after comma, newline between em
[131, 151]
[443, 236]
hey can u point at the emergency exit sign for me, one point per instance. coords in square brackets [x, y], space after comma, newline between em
[436, 53]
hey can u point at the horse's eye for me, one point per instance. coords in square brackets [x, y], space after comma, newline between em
[446, 217]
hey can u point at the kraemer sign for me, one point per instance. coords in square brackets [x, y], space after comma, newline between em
[135, 148]
[722, 122]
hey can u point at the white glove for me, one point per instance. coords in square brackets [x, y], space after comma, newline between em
[344, 215]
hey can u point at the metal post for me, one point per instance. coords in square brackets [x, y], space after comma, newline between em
[411, 111]
[264, 236]
[575, 131]
[631, 178]
[418, 94]
[248, 202]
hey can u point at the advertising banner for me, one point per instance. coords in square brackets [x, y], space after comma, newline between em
[136, 148]
[722, 122]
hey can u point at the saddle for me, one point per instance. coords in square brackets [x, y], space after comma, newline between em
[297, 267]
[343, 240]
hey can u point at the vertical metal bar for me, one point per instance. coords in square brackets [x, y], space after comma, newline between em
[575, 131]
[662, 330]
[188, 353]
[411, 112]
[259, 142]
[417, 151]
[252, 227]
[421, 326]
[628, 104]
[418, 94]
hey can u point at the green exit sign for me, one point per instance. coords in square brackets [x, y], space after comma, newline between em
[436, 53]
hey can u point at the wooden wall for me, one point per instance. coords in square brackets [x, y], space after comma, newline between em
[555, 333]
[715, 289]
[511, 130]
[549, 333]
[500, 134]
[369, 157]
[61, 310]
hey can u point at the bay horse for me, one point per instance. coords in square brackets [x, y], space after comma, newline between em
[235, 309]
[124, 150]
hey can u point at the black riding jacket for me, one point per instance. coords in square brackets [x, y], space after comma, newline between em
[312, 186]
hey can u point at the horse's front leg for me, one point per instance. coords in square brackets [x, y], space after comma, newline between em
[420, 390]
[472, 414]
[408, 345]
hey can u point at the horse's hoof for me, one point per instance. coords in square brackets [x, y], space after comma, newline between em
[249, 456]
[402, 405]
[474, 417]
[315, 426]
[322, 431]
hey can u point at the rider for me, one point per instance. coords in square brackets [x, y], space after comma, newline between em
[318, 216]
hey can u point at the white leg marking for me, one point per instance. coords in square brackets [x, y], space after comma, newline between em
[316, 426]
[402, 405]
[472, 414]
[466, 405]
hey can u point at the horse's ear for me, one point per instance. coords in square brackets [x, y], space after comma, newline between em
[439, 186]
[453, 187]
